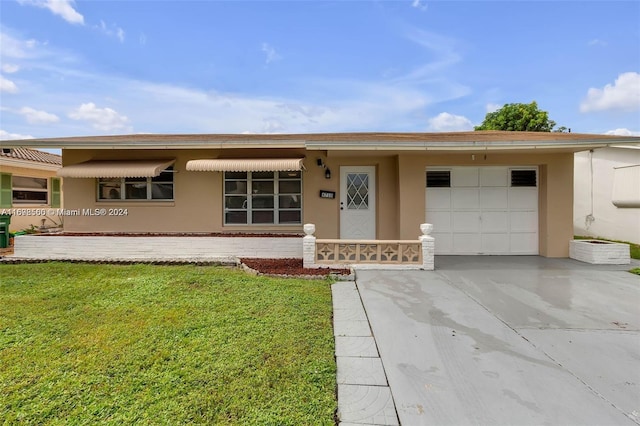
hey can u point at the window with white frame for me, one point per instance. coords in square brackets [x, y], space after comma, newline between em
[158, 188]
[30, 190]
[265, 198]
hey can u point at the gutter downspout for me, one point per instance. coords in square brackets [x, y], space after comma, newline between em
[589, 219]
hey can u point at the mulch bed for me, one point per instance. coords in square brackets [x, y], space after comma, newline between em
[166, 234]
[291, 267]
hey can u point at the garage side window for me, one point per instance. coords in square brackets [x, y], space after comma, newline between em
[523, 178]
[252, 198]
[158, 188]
[439, 179]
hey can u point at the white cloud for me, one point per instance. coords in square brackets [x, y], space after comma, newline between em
[445, 122]
[597, 42]
[63, 8]
[622, 132]
[623, 94]
[490, 107]
[10, 68]
[418, 4]
[38, 117]
[6, 136]
[111, 31]
[315, 105]
[7, 85]
[104, 119]
[270, 52]
[443, 50]
[142, 39]
[11, 47]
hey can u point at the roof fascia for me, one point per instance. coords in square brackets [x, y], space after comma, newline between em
[577, 145]
[151, 144]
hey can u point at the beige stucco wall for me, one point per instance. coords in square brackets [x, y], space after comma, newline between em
[24, 222]
[400, 201]
[325, 213]
[197, 204]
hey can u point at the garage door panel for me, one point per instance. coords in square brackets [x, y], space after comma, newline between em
[440, 220]
[466, 221]
[465, 198]
[523, 221]
[495, 243]
[494, 222]
[438, 199]
[494, 198]
[524, 243]
[443, 242]
[464, 243]
[465, 176]
[494, 176]
[523, 198]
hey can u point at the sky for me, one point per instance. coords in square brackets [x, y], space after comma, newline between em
[75, 68]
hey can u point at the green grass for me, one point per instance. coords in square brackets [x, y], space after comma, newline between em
[635, 271]
[85, 344]
[634, 248]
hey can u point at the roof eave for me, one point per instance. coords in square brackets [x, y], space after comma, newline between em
[151, 144]
[462, 146]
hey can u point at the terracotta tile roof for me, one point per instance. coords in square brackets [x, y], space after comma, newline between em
[31, 155]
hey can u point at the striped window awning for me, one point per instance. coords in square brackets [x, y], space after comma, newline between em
[246, 165]
[115, 169]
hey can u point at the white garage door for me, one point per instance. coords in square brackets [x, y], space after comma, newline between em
[483, 210]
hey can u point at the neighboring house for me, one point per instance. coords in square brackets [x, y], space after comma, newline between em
[29, 186]
[607, 193]
[485, 192]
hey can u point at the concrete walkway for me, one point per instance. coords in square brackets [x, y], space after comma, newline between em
[363, 392]
[490, 340]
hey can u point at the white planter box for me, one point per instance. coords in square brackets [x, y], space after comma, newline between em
[158, 247]
[600, 252]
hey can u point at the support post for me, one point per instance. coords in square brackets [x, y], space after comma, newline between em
[309, 246]
[428, 247]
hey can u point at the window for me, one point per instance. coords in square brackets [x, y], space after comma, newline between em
[523, 178]
[252, 198]
[30, 190]
[144, 188]
[439, 179]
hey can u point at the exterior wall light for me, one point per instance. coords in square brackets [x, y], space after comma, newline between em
[327, 171]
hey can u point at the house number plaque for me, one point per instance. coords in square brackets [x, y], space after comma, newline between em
[327, 194]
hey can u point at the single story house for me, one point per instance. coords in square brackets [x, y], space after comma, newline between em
[607, 193]
[484, 192]
[29, 184]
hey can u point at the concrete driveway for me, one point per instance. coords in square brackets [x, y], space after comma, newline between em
[508, 341]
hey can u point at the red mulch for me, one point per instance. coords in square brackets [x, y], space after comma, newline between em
[165, 234]
[289, 267]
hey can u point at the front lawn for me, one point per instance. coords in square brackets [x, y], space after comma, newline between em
[85, 344]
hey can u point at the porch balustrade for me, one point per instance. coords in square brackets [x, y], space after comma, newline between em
[405, 254]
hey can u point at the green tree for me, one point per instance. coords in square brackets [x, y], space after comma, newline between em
[519, 118]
